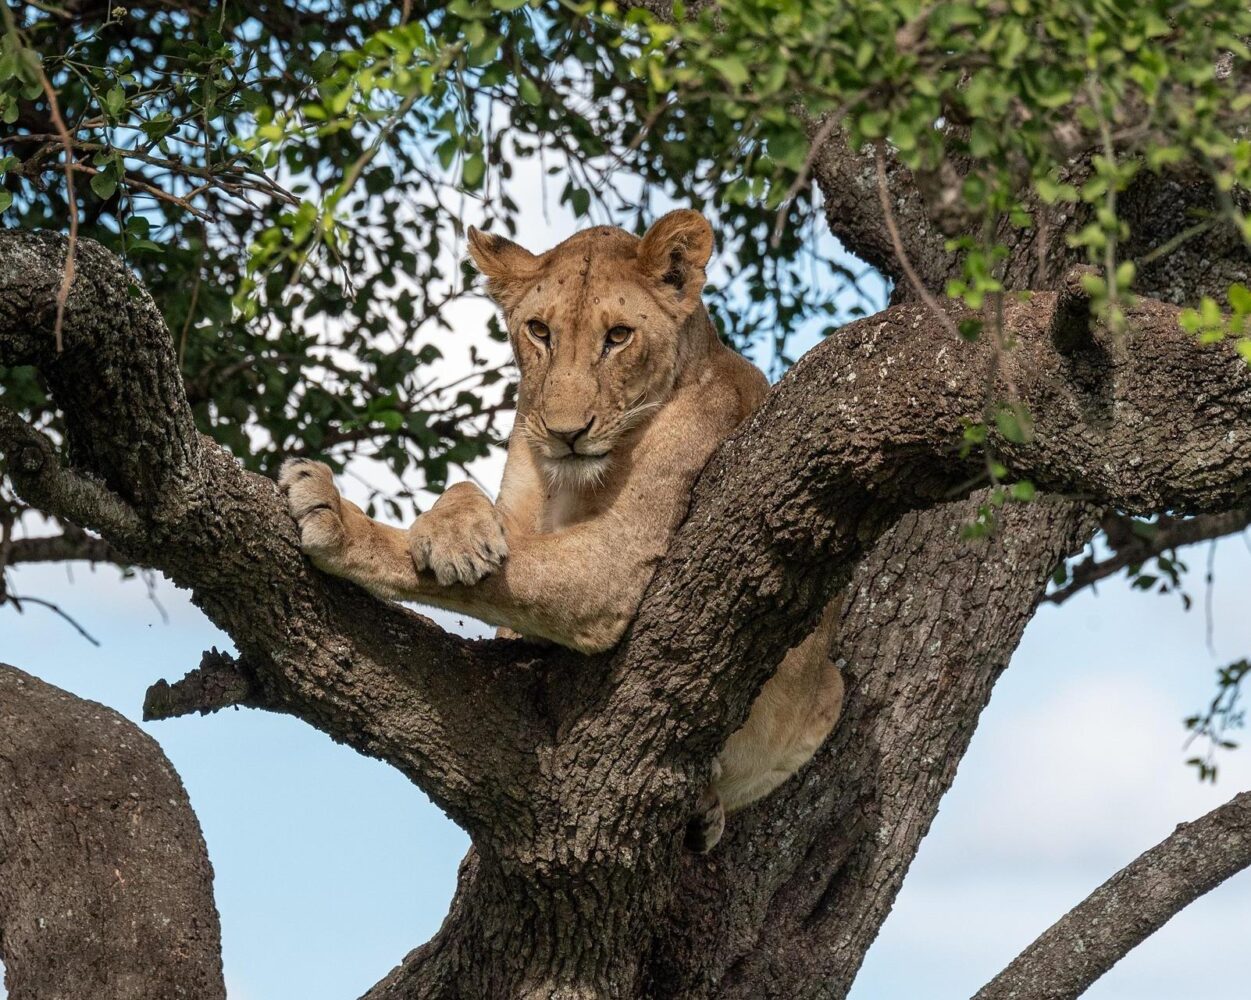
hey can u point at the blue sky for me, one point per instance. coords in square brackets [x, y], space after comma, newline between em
[330, 866]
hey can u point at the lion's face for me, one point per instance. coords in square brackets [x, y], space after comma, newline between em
[596, 327]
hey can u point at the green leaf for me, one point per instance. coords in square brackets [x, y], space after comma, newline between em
[103, 184]
[1022, 491]
[1012, 424]
[529, 92]
[323, 65]
[115, 102]
[732, 68]
[29, 66]
[873, 124]
[1240, 299]
[473, 171]
[6, 199]
[1050, 191]
[970, 328]
[864, 53]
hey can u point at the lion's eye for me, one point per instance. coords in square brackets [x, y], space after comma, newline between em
[538, 329]
[618, 335]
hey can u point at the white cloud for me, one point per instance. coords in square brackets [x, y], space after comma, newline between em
[1090, 775]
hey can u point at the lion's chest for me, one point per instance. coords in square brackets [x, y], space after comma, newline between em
[561, 508]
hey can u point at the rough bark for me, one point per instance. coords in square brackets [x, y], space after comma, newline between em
[135, 470]
[105, 884]
[575, 776]
[847, 179]
[1133, 904]
[792, 903]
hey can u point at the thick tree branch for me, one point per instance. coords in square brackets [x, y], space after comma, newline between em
[374, 675]
[150, 465]
[1132, 905]
[78, 497]
[1159, 208]
[105, 885]
[883, 409]
[220, 681]
[847, 178]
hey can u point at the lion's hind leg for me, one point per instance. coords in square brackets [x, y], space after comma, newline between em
[704, 829]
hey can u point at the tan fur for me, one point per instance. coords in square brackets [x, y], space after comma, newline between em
[607, 443]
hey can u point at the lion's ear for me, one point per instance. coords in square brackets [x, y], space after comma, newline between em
[676, 249]
[508, 267]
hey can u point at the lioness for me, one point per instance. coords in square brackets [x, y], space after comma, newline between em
[625, 393]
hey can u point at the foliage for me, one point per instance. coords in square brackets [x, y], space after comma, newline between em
[1211, 324]
[1222, 715]
[1038, 104]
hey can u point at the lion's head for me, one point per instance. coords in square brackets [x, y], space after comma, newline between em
[596, 326]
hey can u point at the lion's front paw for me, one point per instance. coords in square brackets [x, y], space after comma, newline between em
[460, 539]
[315, 504]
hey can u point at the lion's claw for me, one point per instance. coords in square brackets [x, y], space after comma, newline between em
[460, 539]
[314, 502]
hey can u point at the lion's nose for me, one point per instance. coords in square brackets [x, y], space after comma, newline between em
[567, 434]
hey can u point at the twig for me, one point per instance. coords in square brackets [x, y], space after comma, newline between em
[1134, 549]
[72, 544]
[71, 248]
[350, 177]
[1167, 247]
[151, 189]
[914, 279]
[814, 148]
[19, 601]
[186, 326]
[1115, 315]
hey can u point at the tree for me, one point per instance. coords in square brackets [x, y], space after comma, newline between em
[1062, 365]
